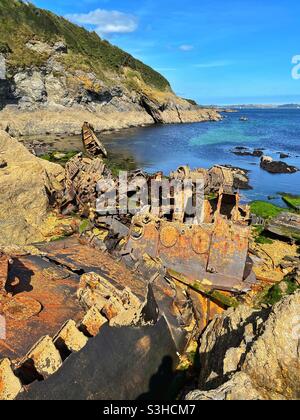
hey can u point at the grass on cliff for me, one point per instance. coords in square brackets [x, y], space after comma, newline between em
[20, 22]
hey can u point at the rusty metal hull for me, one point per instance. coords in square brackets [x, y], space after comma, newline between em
[215, 254]
[119, 364]
[50, 327]
[92, 144]
[55, 290]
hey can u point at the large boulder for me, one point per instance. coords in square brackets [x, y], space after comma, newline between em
[276, 167]
[26, 185]
[248, 354]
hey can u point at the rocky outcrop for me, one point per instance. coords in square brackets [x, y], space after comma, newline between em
[245, 151]
[27, 185]
[252, 354]
[276, 167]
[67, 92]
[69, 120]
[2, 67]
[285, 225]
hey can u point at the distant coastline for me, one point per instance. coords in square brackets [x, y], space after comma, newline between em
[259, 106]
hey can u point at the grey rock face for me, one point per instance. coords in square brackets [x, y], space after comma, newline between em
[2, 67]
[55, 87]
[52, 87]
[248, 354]
[30, 88]
[44, 48]
[60, 47]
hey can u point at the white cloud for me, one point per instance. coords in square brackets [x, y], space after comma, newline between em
[186, 47]
[221, 63]
[106, 21]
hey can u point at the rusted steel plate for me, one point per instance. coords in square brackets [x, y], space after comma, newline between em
[205, 309]
[214, 253]
[32, 286]
[229, 249]
[82, 258]
[144, 238]
[22, 308]
[169, 236]
[182, 255]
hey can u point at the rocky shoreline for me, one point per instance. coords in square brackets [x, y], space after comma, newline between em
[68, 121]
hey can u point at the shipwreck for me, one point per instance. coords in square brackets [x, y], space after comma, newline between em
[124, 297]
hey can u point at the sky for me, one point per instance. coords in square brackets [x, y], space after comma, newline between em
[213, 51]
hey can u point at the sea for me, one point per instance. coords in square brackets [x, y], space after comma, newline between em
[165, 147]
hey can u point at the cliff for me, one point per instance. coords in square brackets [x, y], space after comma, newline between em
[50, 66]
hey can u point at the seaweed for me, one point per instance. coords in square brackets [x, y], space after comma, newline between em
[274, 294]
[266, 210]
[293, 201]
[59, 157]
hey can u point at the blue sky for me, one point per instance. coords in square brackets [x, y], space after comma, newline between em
[214, 51]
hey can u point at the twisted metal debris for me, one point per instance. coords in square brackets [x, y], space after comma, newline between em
[147, 281]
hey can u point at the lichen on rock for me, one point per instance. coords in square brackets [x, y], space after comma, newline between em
[26, 184]
[252, 354]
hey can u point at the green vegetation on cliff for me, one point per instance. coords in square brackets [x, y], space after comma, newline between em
[21, 22]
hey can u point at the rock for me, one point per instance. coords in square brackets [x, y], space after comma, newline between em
[283, 156]
[3, 163]
[30, 88]
[2, 67]
[251, 354]
[257, 153]
[10, 385]
[239, 387]
[60, 47]
[286, 225]
[39, 47]
[244, 151]
[240, 178]
[26, 185]
[276, 167]
[59, 155]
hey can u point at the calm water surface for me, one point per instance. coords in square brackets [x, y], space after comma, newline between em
[165, 147]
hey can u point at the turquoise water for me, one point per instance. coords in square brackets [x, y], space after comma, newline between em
[165, 147]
